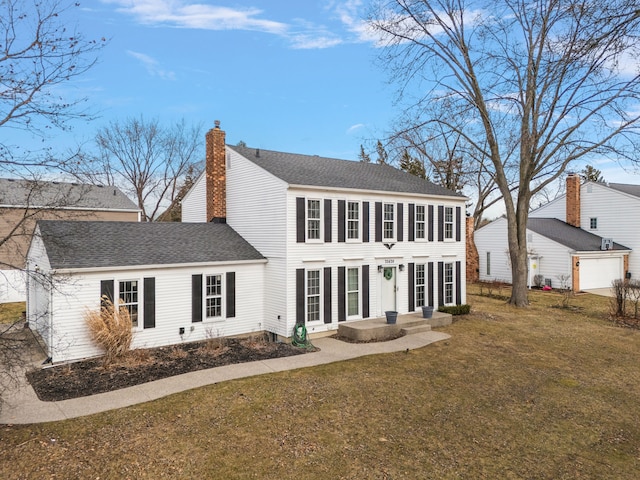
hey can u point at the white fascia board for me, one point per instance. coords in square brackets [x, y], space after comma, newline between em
[598, 253]
[127, 268]
[53, 208]
[377, 192]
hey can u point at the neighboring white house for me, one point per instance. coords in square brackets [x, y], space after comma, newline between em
[343, 241]
[581, 240]
[181, 282]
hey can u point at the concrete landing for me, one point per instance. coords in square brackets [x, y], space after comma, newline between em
[377, 329]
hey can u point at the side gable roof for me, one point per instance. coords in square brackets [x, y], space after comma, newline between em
[72, 244]
[625, 188]
[62, 195]
[573, 237]
[312, 170]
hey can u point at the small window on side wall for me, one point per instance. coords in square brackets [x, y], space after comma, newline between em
[593, 223]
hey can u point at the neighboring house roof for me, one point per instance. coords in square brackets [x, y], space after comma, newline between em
[72, 244]
[312, 170]
[62, 195]
[573, 237]
[625, 188]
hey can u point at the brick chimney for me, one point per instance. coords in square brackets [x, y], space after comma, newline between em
[573, 199]
[216, 175]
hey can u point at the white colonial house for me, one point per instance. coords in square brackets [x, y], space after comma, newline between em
[582, 240]
[320, 241]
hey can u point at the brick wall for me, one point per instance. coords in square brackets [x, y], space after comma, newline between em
[216, 175]
[573, 199]
[473, 261]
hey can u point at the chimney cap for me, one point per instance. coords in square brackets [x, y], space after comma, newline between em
[216, 123]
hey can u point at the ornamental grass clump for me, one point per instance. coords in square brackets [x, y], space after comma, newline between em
[110, 329]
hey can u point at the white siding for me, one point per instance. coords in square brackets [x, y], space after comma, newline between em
[554, 259]
[557, 208]
[318, 255]
[618, 217]
[70, 339]
[257, 210]
[194, 203]
[12, 286]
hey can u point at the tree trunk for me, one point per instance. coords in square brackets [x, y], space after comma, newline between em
[517, 235]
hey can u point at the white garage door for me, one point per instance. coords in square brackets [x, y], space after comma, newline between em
[599, 272]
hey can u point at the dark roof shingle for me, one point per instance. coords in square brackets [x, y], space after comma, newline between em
[41, 194]
[312, 170]
[625, 188]
[72, 244]
[573, 237]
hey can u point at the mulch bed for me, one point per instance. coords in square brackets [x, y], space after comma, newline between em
[90, 377]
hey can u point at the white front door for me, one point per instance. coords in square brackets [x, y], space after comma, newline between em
[388, 290]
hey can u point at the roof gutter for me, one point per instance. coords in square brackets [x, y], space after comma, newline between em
[128, 268]
[386, 192]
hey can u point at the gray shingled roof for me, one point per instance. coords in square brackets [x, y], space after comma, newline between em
[573, 237]
[113, 244]
[312, 170]
[41, 194]
[626, 188]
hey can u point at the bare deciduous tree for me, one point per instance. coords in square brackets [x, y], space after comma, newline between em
[544, 84]
[147, 161]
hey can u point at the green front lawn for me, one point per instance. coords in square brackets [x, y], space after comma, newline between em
[545, 393]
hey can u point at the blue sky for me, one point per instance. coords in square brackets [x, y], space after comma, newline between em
[298, 76]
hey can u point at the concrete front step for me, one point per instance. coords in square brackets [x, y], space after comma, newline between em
[425, 327]
[377, 329]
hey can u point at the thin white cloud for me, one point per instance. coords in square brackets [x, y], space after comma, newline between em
[152, 66]
[355, 128]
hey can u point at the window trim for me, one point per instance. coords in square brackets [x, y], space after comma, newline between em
[451, 283]
[488, 263]
[392, 222]
[358, 221]
[319, 219]
[418, 286]
[138, 303]
[448, 235]
[206, 297]
[357, 291]
[319, 295]
[422, 222]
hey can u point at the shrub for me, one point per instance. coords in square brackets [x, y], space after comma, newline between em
[455, 309]
[110, 329]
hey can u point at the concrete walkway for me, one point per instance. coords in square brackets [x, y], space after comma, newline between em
[23, 406]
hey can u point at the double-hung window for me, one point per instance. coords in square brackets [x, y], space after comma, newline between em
[313, 219]
[448, 283]
[420, 221]
[353, 220]
[313, 295]
[128, 295]
[420, 286]
[214, 296]
[448, 222]
[353, 292]
[388, 222]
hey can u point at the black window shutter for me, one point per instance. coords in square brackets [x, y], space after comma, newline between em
[327, 294]
[440, 284]
[106, 291]
[430, 283]
[196, 298]
[365, 291]
[300, 288]
[412, 222]
[327, 220]
[412, 287]
[365, 221]
[440, 223]
[342, 310]
[458, 283]
[231, 294]
[300, 217]
[430, 220]
[400, 222]
[378, 221]
[149, 303]
[341, 220]
[458, 223]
